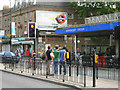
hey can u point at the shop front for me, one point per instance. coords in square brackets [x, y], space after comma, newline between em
[95, 34]
[25, 43]
[99, 36]
[5, 44]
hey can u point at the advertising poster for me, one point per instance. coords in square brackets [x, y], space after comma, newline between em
[13, 28]
[1, 33]
[50, 20]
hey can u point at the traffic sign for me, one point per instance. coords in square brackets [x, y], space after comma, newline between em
[61, 18]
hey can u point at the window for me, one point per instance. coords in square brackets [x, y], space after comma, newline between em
[12, 54]
[26, 17]
[30, 16]
[7, 54]
[15, 19]
[8, 31]
[25, 28]
[8, 23]
[70, 16]
[19, 19]
[5, 23]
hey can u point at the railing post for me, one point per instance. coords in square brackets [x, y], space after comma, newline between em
[84, 76]
[93, 71]
[70, 68]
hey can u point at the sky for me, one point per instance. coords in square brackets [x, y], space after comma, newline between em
[6, 2]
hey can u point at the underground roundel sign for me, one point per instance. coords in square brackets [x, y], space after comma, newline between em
[61, 18]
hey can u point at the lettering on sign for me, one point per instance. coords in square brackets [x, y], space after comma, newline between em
[102, 18]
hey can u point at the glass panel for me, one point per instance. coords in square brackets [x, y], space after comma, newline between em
[7, 54]
[12, 54]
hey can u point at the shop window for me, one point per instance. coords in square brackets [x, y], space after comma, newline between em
[19, 19]
[30, 16]
[25, 17]
[5, 23]
[15, 19]
[25, 28]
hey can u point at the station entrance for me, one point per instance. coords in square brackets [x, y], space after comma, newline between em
[95, 40]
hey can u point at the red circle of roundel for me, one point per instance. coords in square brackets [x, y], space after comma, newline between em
[61, 21]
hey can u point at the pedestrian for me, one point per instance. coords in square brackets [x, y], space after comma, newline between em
[78, 52]
[56, 60]
[51, 54]
[17, 52]
[62, 56]
[22, 52]
[48, 60]
[68, 56]
[52, 64]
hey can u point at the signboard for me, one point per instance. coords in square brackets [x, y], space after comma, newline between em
[21, 39]
[40, 39]
[98, 27]
[6, 40]
[103, 18]
[13, 28]
[1, 33]
[40, 48]
[50, 20]
[8, 34]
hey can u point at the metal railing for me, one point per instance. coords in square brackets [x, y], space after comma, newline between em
[77, 72]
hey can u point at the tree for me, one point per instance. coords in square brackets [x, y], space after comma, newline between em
[87, 9]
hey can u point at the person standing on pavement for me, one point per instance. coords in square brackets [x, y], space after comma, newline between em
[56, 60]
[78, 52]
[48, 60]
[22, 52]
[62, 56]
[52, 55]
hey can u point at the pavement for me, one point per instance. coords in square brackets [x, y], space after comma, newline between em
[100, 83]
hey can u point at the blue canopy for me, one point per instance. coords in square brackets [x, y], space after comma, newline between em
[89, 28]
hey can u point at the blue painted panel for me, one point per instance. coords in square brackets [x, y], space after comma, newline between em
[98, 27]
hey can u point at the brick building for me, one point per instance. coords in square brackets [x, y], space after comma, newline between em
[0, 29]
[27, 14]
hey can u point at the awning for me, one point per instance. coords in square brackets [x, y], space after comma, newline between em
[22, 42]
[107, 27]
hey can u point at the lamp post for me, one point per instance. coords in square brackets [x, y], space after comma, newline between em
[10, 29]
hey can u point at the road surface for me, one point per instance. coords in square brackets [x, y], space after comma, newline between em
[16, 81]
